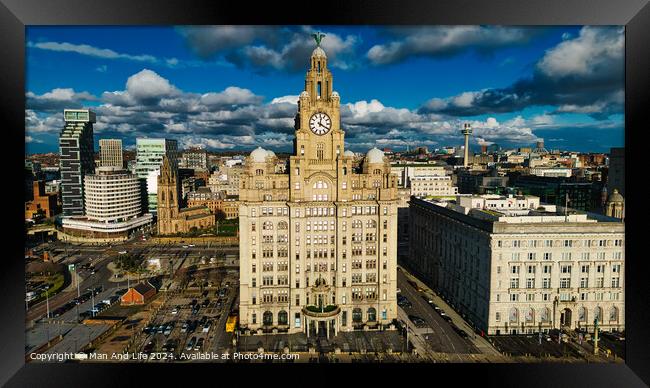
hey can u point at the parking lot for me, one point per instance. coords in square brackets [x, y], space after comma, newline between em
[192, 321]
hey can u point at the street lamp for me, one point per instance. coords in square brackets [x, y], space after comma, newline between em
[92, 295]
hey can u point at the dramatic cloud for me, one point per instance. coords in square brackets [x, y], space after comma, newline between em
[444, 41]
[584, 74]
[58, 99]
[267, 48]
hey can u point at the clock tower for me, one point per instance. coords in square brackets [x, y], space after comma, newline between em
[319, 142]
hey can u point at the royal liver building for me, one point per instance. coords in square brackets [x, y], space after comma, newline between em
[318, 242]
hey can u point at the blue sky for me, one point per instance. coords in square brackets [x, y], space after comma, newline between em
[235, 87]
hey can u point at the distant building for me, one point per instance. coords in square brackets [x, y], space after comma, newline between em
[42, 205]
[551, 171]
[171, 217]
[512, 265]
[138, 295]
[479, 181]
[77, 158]
[110, 153]
[149, 156]
[196, 159]
[113, 206]
[616, 173]
[554, 190]
[427, 186]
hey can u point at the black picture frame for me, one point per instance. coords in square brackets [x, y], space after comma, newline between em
[16, 14]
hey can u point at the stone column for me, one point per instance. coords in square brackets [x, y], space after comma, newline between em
[317, 324]
[327, 322]
[307, 326]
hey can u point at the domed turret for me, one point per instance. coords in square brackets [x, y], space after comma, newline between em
[259, 155]
[348, 153]
[616, 197]
[375, 155]
[319, 53]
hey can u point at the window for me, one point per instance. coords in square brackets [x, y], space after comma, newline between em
[565, 269]
[616, 282]
[584, 282]
[548, 256]
[530, 283]
[565, 282]
[531, 256]
[514, 269]
[584, 269]
[546, 283]
[514, 283]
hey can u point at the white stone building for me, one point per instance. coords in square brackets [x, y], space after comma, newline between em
[521, 268]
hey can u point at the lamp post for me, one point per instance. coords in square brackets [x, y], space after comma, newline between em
[92, 295]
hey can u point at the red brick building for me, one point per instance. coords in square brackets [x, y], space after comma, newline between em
[43, 203]
[138, 295]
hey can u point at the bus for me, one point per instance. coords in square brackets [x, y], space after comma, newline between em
[231, 323]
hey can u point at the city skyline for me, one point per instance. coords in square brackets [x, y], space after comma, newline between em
[230, 88]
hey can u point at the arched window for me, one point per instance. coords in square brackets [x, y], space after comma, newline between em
[613, 314]
[267, 318]
[356, 315]
[514, 315]
[283, 318]
[282, 225]
[320, 185]
[582, 314]
[545, 314]
[377, 171]
[598, 314]
[320, 149]
[162, 196]
[268, 225]
[530, 315]
[372, 314]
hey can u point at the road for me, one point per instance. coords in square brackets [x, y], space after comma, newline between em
[439, 336]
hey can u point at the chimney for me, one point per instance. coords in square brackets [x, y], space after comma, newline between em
[484, 149]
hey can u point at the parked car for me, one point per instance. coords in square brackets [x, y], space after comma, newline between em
[170, 345]
[419, 322]
[190, 344]
[199, 344]
[206, 327]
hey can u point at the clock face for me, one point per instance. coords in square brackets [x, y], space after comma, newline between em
[320, 123]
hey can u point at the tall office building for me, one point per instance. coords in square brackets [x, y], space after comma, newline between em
[77, 150]
[196, 159]
[512, 265]
[149, 157]
[318, 243]
[110, 153]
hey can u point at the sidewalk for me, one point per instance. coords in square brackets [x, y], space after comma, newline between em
[481, 343]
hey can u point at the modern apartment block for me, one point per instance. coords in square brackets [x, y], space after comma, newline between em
[76, 150]
[512, 265]
[149, 157]
[113, 200]
[110, 153]
[318, 240]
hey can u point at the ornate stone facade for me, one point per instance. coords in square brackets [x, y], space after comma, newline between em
[318, 240]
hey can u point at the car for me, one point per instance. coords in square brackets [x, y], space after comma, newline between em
[170, 345]
[206, 327]
[191, 245]
[122, 252]
[206, 303]
[199, 344]
[446, 318]
[160, 329]
[190, 344]
[461, 332]
[147, 329]
[149, 347]
[419, 322]
[184, 246]
[174, 310]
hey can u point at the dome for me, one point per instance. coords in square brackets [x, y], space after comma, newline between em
[259, 155]
[270, 154]
[615, 197]
[335, 94]
[348, 153]
[318, 52]
[304, 94]
[375, 155]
